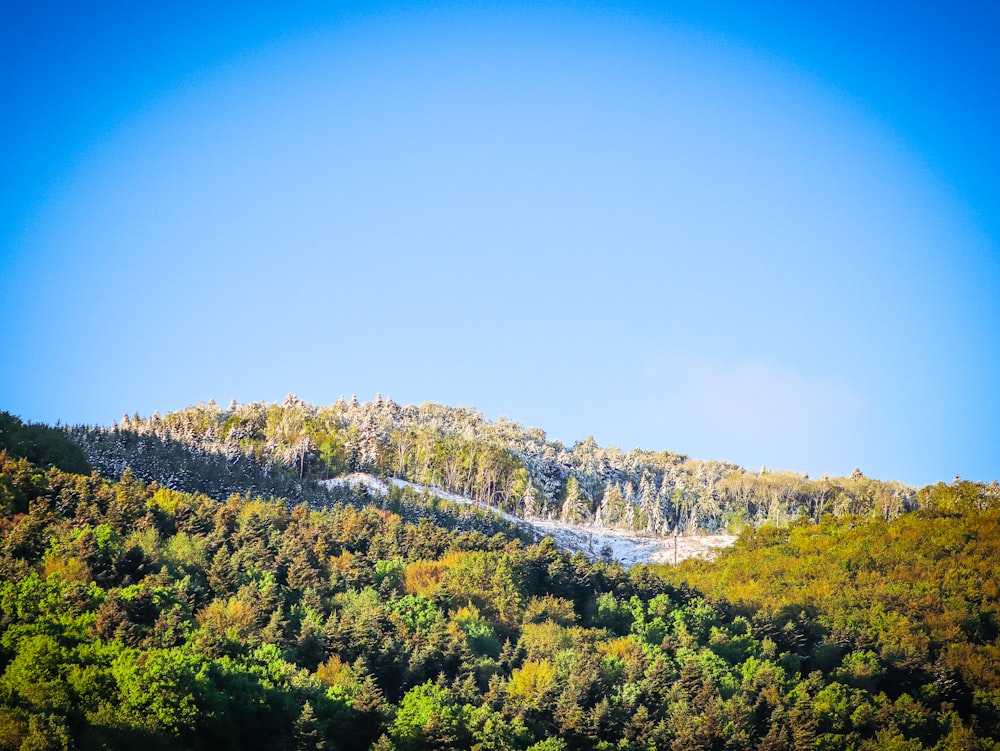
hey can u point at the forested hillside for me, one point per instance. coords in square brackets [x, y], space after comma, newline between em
[137, 616]
[280, 449]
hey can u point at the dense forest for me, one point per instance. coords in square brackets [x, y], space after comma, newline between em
[282, 448]
[136, 613]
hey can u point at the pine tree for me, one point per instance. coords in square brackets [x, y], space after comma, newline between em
[650, 503]
[222, 578]
[530, 502]
[307, 733]
[575, 508]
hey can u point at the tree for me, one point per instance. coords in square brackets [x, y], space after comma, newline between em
[159, 689]
[291, 435]
[430, 718]
[307, 732]
[575, 507]
[41, 445]
[531, 504]
[608, 511]
[649, 503]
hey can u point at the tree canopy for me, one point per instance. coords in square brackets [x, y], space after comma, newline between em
[282, 449]
[133, 614]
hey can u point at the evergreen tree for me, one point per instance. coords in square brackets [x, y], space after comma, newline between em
[575, 508]
[307, 733]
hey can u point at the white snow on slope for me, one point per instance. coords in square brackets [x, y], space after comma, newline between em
[627, 548]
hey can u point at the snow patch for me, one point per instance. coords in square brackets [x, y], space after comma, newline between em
[593, 541]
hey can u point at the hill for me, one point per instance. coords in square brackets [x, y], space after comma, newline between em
[284, 448]
[134, 615]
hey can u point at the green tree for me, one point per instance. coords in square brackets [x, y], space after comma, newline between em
[308, 736]
[430, 718]
[161, 690]
[41, 445]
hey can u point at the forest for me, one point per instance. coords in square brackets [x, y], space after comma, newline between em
[138, 609]
[283, 449]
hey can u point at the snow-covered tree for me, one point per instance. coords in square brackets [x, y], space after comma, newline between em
[575, 508]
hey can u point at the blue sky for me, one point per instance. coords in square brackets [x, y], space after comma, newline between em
[768, 235]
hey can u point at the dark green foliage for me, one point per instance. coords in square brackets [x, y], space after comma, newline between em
[41, 445]
[136, 616]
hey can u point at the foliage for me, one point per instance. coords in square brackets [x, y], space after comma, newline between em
[135, 615]
[284, 449]
[41, 445]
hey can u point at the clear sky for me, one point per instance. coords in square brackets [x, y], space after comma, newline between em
[767, 235]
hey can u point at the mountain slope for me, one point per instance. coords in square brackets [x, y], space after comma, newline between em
[135, 616]
[280, 448]
[593, 541]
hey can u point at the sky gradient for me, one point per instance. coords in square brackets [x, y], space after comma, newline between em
[767, 237]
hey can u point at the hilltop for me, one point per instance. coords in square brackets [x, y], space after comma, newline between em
[286, 448]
